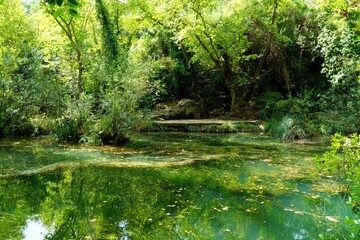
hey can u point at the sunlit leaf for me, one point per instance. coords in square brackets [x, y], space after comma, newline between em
[58, 12]
[331, 218]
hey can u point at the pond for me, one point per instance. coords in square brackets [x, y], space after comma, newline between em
[168, 186]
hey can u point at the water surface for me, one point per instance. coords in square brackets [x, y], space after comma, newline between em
[168, 186]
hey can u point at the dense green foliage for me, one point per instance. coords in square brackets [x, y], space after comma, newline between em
[342, 161]
[91, 71]
[86, 71]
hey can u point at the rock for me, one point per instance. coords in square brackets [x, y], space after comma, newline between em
[182, 109]
[186, 102]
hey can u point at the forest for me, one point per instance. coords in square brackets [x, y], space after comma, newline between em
[94, 73]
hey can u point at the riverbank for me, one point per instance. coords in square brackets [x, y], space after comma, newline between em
[205, 125]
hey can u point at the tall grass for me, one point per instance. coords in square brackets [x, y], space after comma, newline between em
[289, 128]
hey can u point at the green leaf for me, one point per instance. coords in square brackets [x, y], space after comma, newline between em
[51, 2]
[73, 2]
[59, 2]
[73, 12]
[58, 12]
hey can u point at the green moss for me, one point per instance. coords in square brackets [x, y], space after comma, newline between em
[212, 128]
[165, 185]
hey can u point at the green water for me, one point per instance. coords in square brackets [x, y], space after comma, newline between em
[167, 186]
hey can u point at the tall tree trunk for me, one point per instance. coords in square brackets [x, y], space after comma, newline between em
[109, 37]
[270, 36]
[236, 92]
[69, 29]
[80, 74]
[194, 89]
[286, 76]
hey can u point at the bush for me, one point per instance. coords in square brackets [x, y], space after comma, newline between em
[331, 122]
[67, 129]
[118, 117]
[112, 129]
[75, 122]
[42, 124]
[289, 128]
[14, 121]
[14, 111]
[267, 103]
[290, 118]
[342, 160]
[19, 126]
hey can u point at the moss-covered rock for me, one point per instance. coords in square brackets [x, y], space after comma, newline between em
[182, 109]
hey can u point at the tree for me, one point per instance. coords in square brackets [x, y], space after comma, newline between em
[75, 28]
[19, 61]
[110, 42]
[104, 99]
[338, 46]
[213, 31]
[229, 36]
[70, 6]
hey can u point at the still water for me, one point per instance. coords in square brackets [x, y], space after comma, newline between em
[168, 186]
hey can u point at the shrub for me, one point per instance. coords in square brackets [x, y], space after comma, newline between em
[14, 121]
[292, 118]
[42, 124]
[289, 128]
[267, 103]
[75, 121]
[113, 128]
[331, 122]
[118, 116]
[342, 160]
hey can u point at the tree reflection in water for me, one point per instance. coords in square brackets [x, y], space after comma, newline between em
[249, 190]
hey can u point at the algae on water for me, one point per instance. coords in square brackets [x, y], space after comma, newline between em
[168, 185]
